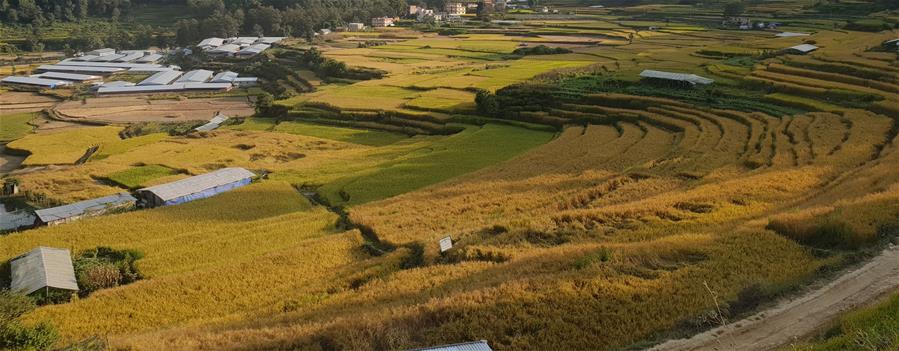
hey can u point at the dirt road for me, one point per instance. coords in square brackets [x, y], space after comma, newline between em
[789, 320]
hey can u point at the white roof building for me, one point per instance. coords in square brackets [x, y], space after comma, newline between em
[253, 50]
[791, 34]
[151, 58]
[87, 208]
[161, 78]
[79, 69]
[692, 79]
[224, 77]
[227, 49]
[42, 268]
[108, 58]
[100, 52]
[803, 49]
[131, 56]
[270, 40]
[465, 346]
[211, 43]
[68, 76]
[196, 187]
[195, 76]
[244, 41]
[49, 83]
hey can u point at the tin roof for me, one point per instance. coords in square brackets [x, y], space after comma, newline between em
[804, 48]
[67, 76]
[465, 346]
[131, 56]
[86, 207]
[79, 68]
[227, 48]
[42, 267]
[34, 81]
[683, 77]
[108, 58]
[211, 42]
[198, 183]
[161, 78]
[140, 89]
[791, 34]
[150, 58]
[224, 77]
[195, 76]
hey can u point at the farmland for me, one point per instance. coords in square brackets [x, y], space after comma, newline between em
[588, 208]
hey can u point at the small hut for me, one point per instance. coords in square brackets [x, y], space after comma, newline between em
[196, 187]
[42, 269]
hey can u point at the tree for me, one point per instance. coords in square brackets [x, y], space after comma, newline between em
[264, 103]
[734, 9]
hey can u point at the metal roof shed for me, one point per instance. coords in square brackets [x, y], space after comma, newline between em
[100, 52]
[69, 76]
[465, 346]
[791, 35]
[161, 78]
[803, 49]
[224, 77]
[140, 89]
[195, 188]
[79, 69]
[50, 83]
[195, 76]
[87, 208]
[131, 56]
[691, 79]
[151, 58]
[43, 268]
[108, 58]
[211, 42]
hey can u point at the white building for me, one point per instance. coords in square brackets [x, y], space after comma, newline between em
[379, 22]
[455, 8]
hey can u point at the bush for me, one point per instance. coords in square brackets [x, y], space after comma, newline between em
[15, 336]
[748, 299]
[104, 267]
[541, 50]
[823, 234]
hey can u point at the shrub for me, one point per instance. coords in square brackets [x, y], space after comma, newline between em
[103, 267]
[15, 336]
[748, 299]
[822, 234]
[99, 276]
[540, 50]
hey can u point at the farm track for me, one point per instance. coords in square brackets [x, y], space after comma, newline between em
[793, 319]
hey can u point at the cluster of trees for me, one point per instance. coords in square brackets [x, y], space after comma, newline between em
[39, 12]
[299, 18]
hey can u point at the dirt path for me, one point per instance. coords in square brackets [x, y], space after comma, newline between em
[780, 325]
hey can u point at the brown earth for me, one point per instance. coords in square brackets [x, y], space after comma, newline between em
[140, 109]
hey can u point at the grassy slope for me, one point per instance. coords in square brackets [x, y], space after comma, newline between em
[873, 328]
[355, 136]
[139, 176]
[15, 126]
[467, 151]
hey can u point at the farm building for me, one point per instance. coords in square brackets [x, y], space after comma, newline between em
[87, 208]
[195, 76]
[78, 69]
[213, 123]
[108, 58]
[892, 43]
[682, 78]
[195, 188]
[245, 81]
[100, 52]
[243, 41]
[252, 50]
[791, 34]
[207, 86]
[465, 346]
[117, 83]
[150, 69]
[151, 58]
[381, 22]
[455, 8]
[82, 58]
[161, 78]
[40, 82]
[270, 40]
[42, 268]
[225, 50]
[210, 43]
[802, 49]
[355, 27]
[131, 56]
[224, 77]
[124, 65]
[74, 77]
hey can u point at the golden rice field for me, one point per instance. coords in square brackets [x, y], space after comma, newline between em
[635, 220]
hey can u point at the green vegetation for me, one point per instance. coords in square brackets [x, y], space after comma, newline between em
[14, 335]
[873, 328]
[103, 267]
[540, 50]
[139, 176]
[356, 136]
[15, 126]
[472, 149]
